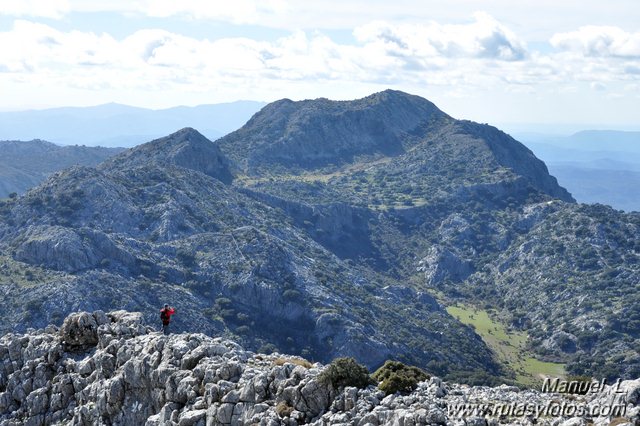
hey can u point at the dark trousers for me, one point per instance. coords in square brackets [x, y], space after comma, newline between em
[165, 328]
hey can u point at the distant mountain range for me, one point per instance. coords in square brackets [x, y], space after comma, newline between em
[329, 229]
[597, 166]
[24, 165]
[115, 125]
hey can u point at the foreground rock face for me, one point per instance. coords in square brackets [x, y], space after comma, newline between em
[110, 369]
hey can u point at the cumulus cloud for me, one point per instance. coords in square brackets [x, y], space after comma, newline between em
[469, 57]
[599, 41]
[484, 38]
[30, 45]
[42, 8]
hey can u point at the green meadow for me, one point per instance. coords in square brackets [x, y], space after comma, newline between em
[508, 345]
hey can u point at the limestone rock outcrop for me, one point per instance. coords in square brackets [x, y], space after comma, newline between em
[111, 369]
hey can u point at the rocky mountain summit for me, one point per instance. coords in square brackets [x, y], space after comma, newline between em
[314, 133]
[186, 148]
[410, 131]
[112, 369]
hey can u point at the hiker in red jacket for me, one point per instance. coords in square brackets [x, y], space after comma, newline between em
[165, 316]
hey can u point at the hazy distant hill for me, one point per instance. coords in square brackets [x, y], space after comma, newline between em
[24, 165]
[619, 188]
[596, 166]
[115, 125]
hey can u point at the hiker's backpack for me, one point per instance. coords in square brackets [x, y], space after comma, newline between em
[163, 315]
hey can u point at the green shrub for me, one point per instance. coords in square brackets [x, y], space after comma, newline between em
[186, 257]
[344, 372]
[395, 376]
[267, 348]
[242, 317]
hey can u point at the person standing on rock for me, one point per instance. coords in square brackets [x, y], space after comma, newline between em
[165, 316]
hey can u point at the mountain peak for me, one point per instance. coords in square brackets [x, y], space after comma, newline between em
[390, 94]
[186, 148]
[319, 132]
[407, 130]
[399, 100]
[187, 134]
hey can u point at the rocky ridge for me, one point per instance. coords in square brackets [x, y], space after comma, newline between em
[112, 369]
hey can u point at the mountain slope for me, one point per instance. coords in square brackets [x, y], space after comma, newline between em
[388, 129]
[157, 224]
[315, 133]
[572, 283]
[342, 222]
[451, 206]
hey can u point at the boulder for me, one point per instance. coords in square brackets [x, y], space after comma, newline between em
[80, 330]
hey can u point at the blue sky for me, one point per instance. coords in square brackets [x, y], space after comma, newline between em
[496, 61]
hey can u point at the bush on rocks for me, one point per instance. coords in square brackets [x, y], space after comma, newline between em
[395, 376]
[343, 372]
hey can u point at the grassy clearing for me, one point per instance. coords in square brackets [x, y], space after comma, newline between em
[508, 345]
[317, 176]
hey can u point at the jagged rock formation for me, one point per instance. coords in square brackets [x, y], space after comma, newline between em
[110, 369]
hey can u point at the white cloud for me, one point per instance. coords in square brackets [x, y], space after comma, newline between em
[460, 60]
[30, 46]
[42, 8]
[236, 11]
[599, 41]
[484, 38]
[474, 55]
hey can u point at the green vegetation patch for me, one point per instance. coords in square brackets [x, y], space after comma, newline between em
[395, 376]
[508, 345]
[344, 372]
